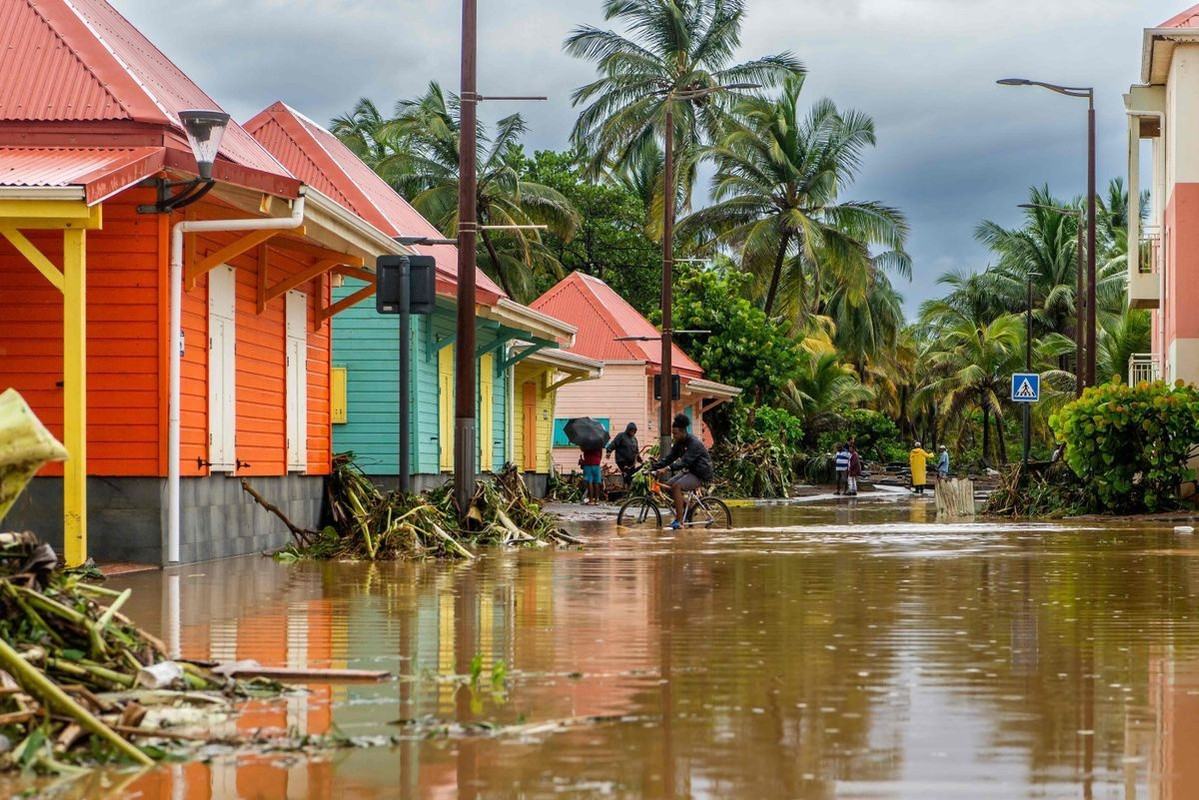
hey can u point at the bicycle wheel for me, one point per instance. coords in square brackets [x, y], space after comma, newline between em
[709, 512]
[639, 512]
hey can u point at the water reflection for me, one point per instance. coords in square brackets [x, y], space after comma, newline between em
[836, 650]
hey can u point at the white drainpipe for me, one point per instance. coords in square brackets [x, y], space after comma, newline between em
[173, 414]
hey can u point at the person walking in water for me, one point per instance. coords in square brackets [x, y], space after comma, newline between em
[627, 451]
[593, 475]
[918, 460]
[942, 464]
[841, 462]
[855, 470]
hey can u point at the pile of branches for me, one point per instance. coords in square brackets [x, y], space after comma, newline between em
[757, 468]
[69, 661]
[366, 523]
[1045, 490]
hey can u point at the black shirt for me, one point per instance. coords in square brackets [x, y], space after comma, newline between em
[625, 447]
[692, 456]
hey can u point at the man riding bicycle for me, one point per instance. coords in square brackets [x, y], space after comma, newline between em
[694, 465]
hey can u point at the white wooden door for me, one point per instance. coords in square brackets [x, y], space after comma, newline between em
[297, 381]
[222, 368]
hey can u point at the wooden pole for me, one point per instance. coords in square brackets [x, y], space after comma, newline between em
[667, 384]
[464, 404]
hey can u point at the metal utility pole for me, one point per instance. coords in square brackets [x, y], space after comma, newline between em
[1080, 326]
[405, 377]
[1028, 367]
[464, 361]
[1091, 243]
[667, 377]
[1087, 358]
[1080, 303]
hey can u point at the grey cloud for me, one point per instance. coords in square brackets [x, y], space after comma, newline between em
[953, 147]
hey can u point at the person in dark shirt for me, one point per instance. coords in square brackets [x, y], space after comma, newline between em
[627, 451]
[694, 464]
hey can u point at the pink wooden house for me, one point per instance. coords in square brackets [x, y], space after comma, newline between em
[625, 391]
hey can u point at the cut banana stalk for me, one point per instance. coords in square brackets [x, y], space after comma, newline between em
[25, 445]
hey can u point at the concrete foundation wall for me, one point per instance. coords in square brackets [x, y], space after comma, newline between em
[127, 516]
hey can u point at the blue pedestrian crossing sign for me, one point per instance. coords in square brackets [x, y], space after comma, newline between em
[1026, 387]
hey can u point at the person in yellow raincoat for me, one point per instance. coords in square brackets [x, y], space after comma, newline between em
[918, 459]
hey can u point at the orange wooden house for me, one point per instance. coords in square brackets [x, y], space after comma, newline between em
[90, 138]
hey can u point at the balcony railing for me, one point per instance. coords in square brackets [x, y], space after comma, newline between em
[1151, 250]
[1144, 367]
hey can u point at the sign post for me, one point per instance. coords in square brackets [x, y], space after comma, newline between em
[405, 285]
[1026, 390]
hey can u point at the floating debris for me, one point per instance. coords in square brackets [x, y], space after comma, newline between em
[74, 667]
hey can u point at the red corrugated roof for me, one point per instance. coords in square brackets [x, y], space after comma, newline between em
[80, 61]
[1187, 19]
[101, 172]
[318, 158]
[603, 316]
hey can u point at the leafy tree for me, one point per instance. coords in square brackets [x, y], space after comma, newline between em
[745, 348]
[610, 242]
[875, 435]
[777, 191]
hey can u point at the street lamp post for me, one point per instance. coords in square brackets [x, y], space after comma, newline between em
[668, 189]
[1028, 366]
[1089, 94]
[1080, 305]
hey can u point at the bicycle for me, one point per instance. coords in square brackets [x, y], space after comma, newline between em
[699, 511]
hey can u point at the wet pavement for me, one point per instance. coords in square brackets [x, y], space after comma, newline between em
[835, 648]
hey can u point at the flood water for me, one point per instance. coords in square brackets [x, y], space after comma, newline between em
[849, 650]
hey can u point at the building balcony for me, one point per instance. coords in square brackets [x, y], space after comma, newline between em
[1144, 284]
[1144, 367]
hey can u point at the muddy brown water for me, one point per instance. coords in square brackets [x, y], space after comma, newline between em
[832, 649]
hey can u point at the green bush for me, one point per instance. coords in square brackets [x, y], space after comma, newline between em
[876, 436]
[760, 459]
[1131, 444]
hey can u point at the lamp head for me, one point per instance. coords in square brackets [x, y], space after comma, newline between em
[204, 130]
[1014, 82]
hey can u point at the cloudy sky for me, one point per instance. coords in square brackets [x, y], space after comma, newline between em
[954, 148]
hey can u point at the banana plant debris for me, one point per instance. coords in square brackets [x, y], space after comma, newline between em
[366, 523]
[81, 684]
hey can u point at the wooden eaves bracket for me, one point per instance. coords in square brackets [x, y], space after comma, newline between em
[243, 244]
[516, 358]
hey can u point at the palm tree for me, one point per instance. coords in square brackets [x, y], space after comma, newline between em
[1131, 334]
[777, 186]
[416, 151]
[977, 363]
[360, 130]
[672, 47]
[867, 330]
[823, 388]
